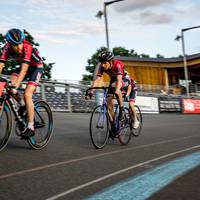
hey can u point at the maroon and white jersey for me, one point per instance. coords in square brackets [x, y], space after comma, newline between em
[117, 69]
[28, 54]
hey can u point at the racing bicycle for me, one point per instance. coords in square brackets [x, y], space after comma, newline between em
[101, 123]
[43, 119]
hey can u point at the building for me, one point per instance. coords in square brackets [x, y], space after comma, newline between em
[162, 71]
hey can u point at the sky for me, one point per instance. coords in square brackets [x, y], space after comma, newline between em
[69, 33]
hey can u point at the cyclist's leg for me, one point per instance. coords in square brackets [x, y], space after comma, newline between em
[34, 77]
[132, 97]
[30, 88]
[120, 103]
[111, 103]
[111, 112]
[29, 130]
[16, 95]
[131, 104]
[119, 96]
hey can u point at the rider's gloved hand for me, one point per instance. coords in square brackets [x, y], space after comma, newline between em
[89, 96]
[126, 98]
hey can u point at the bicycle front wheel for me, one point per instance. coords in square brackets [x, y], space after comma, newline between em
[43, 124]
[99, 128]
[5, 124]
[124, 136]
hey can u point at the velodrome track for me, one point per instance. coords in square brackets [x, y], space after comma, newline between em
[168, 151]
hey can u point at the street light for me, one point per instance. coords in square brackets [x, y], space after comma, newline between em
[178, 37]
[99, 15]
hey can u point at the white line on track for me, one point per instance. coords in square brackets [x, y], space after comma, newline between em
[119, 172]
[22, 172]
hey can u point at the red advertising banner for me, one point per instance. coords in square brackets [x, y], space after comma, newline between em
[191, 105]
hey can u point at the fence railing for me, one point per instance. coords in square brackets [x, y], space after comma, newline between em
[69, 96]
[64, 96]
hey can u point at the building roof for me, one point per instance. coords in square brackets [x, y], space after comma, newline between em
[160, 60]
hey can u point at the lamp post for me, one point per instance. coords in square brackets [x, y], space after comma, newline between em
[178, 37]
[104, 12]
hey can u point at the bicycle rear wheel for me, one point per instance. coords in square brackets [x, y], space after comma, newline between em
[99, 128]
[136, 132]
[124, 136]
[5, 124]
[43, 124]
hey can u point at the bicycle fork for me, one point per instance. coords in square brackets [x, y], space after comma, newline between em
[100, 124]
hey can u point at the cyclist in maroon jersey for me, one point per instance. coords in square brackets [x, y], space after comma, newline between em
[130, 90]
[31, 69]
[115, 69]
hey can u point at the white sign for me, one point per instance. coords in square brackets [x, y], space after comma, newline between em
[147, 104]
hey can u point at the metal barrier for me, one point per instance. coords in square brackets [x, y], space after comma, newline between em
[70, 96]
[64, 96]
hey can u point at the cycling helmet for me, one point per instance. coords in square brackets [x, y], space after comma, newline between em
[15, 36]
[105, 56]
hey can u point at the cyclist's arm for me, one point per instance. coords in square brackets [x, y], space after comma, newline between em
[118, 84]
[1, 67]
[95, 82]
[28, 49]
[22, 74]
[129, 90]
[118, 90]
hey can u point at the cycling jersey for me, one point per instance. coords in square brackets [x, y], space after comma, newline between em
[128, 81]
[28, 55]
[117, 69]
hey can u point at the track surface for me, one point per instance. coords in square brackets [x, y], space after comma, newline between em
[70, 168]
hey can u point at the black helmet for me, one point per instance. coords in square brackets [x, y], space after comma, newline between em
[15, 36]
[105, 56]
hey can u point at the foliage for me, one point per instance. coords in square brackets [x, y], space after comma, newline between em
[11, 64]
[159, 56]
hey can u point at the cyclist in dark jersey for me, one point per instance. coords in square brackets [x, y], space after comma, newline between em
[115, 70]
[130, 93]
[31, 69]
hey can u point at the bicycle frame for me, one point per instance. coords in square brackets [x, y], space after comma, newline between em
[104, 105]
[8, 97]
[111, 127]
[9, 105]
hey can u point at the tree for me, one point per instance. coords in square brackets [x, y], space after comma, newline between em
[11, 64]
[92, 63]
[159, 56]
[117, 51]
